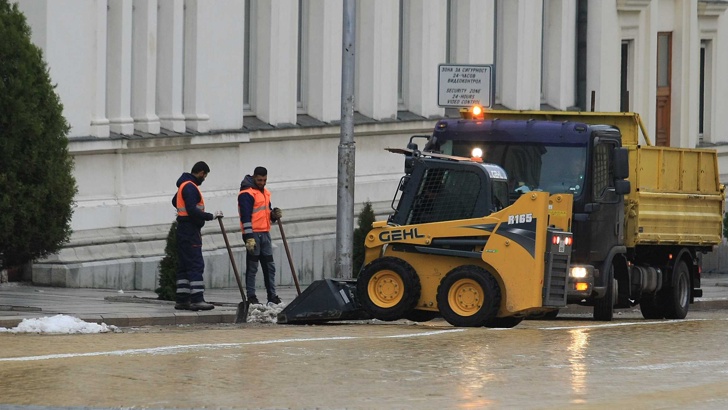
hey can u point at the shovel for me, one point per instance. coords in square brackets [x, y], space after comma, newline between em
[290, 260]
[241, 316]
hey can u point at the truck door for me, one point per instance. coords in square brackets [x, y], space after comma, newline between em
[607, 216]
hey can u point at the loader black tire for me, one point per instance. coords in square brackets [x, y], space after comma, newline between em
[677, 296]
[388, 288]
[417, 315]
[504, 322]
[468, 296]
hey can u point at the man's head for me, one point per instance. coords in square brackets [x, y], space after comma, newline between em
[260, 177]
[200, 171]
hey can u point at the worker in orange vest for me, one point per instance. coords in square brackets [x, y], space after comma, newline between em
[191, 217]
[256, 215]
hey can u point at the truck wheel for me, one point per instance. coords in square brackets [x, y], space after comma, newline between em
[388, 288]
[604, 307]
[651, 307]
[504, 322]
[421, 315]
[468, 296]
[677, 297]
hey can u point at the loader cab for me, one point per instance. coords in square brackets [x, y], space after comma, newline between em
[437, 189]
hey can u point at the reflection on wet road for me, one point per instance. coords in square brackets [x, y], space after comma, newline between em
[539, 364]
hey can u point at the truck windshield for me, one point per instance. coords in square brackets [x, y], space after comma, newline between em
[531, 166]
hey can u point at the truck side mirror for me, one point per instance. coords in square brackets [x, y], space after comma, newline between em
[622, 187]
[621, 163]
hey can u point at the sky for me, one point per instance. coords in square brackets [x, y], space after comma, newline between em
[65, 324]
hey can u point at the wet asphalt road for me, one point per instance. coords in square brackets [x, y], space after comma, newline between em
[569, 362]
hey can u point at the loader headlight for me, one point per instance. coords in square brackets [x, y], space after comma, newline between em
[578, 272]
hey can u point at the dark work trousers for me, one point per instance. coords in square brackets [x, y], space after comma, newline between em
[190, 265]
[263, 252]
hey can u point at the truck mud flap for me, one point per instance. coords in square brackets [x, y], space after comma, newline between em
[323, 301]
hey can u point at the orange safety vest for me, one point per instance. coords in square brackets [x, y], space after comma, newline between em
[261, 209]
[181, 206]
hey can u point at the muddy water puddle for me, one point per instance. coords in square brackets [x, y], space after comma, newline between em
[536, 365]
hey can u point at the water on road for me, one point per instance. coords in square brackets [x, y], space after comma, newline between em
[539, 364]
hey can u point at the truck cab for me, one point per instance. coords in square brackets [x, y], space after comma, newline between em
[568, 157]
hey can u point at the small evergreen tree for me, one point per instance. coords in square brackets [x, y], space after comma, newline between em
[168, 267]
[36, 198]
[725, 225]
[365, 221]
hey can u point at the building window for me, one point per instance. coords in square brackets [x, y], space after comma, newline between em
[302, 56]
[402, 60]
[704, 47]
[624, 77]
[247, 65]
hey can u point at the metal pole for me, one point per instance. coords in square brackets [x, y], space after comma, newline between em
[347, 150]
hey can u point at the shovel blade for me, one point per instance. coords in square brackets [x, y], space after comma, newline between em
[241, 316]
[324, 300]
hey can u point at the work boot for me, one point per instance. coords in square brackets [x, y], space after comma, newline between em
[201, 306]
[275, 300]
[182, 306]
[253, 300]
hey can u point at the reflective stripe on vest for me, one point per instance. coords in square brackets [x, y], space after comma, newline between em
[181, 208]
[260, 220]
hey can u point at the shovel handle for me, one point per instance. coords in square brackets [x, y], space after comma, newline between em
[232, 260]
[288, 253]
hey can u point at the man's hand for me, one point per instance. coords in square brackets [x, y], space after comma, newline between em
[218, 214]
[277, 213]
[250, 245]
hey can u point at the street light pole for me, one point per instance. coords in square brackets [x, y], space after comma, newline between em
[347, 150]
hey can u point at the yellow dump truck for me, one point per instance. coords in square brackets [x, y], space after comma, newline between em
[641, 213]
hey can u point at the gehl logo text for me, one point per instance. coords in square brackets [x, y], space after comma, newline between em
[399, 235]
[520, 219]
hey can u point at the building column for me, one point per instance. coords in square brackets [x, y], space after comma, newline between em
[323, 65]
[99, 123]
[377, 59]
[685, 87]
[170, 62]
[144, 69]
[520, 65]
[473, 16]
[638, 24]
[603, 57]
[118, 67]
[194, 57]
[559, 58]
[276, 56]
[425, 50]
[713, 22]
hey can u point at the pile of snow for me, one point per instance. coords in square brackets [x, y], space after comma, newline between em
[260, 313]
[59, 324]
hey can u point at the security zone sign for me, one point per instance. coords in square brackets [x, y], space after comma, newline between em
[465, 85]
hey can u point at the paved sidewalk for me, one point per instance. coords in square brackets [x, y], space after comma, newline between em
[141, 308]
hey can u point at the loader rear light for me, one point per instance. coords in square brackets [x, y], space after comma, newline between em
[582, 286]
[568, 240]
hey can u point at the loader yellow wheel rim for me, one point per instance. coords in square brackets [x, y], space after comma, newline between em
[386, 289]
[465, 297]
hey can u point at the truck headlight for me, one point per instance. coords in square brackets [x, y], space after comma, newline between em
[578, 272]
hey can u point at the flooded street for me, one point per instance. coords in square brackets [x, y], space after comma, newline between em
[538, 364]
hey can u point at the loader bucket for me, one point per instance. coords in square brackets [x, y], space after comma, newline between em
[322, 301]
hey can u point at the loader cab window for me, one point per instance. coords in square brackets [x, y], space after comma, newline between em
[445, 195]
[603, 186]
